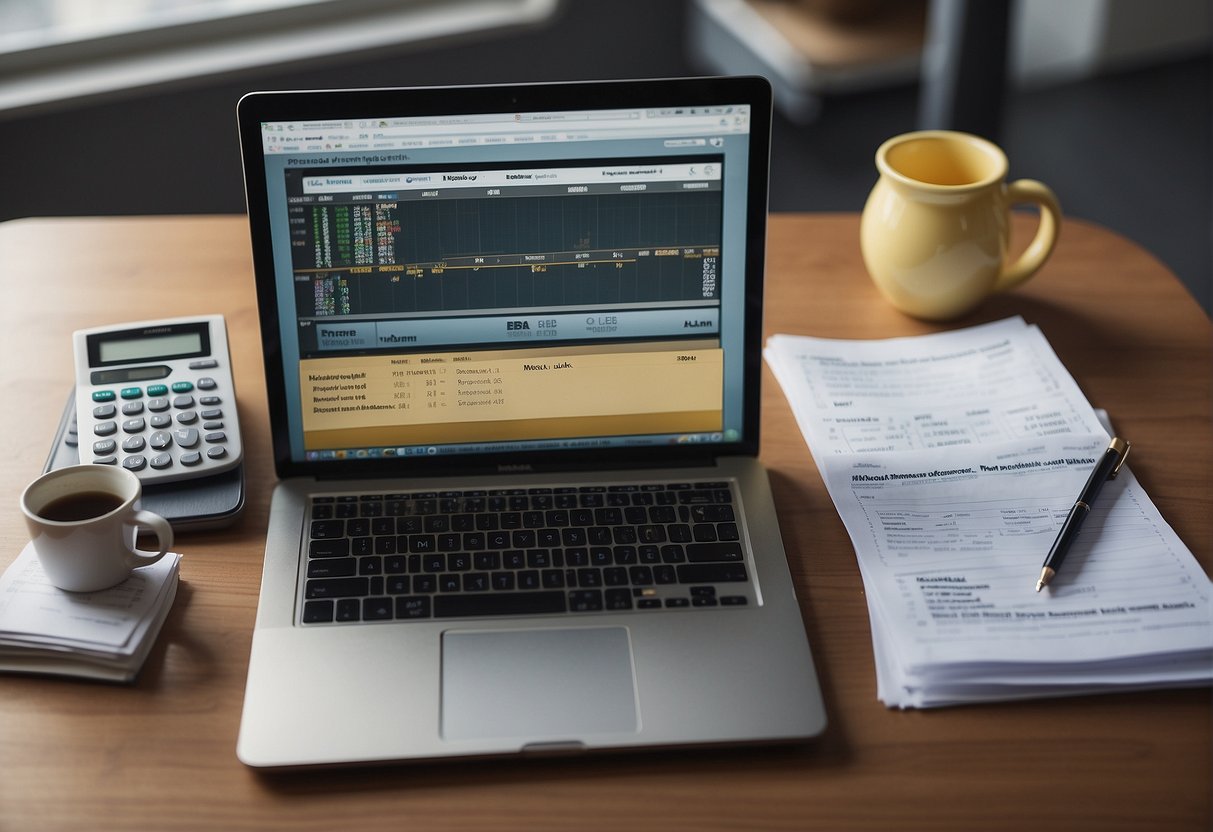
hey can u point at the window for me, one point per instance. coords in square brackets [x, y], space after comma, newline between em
[56, 51]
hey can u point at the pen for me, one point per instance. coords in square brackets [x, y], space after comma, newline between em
[1106, 469]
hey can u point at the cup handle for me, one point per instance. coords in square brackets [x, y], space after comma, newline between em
[164, 538]
[1030, 191]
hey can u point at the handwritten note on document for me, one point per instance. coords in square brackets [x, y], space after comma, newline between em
[953, 460]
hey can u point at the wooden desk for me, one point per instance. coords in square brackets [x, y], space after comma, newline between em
[160, 754]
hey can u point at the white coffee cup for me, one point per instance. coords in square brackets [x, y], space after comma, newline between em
[83, 521]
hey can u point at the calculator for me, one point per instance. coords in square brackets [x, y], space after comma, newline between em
[157, 398]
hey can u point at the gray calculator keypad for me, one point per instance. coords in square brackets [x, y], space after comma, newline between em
[166, 432]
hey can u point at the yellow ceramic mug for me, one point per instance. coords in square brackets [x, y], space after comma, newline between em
[936, 226]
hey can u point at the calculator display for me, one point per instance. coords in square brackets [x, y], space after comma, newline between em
[155, 343]
[143, 349]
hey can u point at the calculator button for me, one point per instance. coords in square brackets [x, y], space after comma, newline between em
[191, 459]
[132, 393]
[182, 386]
[162, 461]
[160, 440]
[106, 460]
[212, 413]
[212, 425]
[160, 420]
[103, 395]
[104, 411]
[104, 447]
[207, 383]
[187, 417]
[134, 463]
[186, 437]
[182, 402]
[157, 389]
[217, 436]
[132, 408]
[105, 428]
[210, 401]
[217, 452]
[157, 405]
[134, 425]
[134, 444]
[204, 364]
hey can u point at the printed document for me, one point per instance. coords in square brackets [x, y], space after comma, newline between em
[953, 460]
[988, 383]
[950, 543]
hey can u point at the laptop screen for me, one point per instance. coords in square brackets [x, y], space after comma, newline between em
[452, 285]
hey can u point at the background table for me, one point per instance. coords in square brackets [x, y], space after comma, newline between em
[161, 754]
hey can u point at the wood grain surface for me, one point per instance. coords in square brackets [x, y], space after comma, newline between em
[160, 754]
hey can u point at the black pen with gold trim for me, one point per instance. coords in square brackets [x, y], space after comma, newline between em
[1106, 469]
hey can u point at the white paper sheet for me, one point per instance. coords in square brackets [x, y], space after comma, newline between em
[32, 611]
[953, 540]
[989, 383]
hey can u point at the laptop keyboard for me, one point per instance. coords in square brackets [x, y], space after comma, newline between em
[527, 551]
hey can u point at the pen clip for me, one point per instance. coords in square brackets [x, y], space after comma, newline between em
[1122, 446]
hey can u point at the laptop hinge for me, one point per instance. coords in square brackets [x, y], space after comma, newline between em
[507, 468]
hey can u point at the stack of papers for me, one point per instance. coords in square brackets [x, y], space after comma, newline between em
[953, 460]
[98, 635]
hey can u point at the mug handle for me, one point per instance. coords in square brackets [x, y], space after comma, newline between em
[1030, 191]
[164, 538]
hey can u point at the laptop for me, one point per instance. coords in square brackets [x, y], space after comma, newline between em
[512, 351]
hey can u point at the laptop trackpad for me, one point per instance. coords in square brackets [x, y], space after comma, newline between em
[554, 685]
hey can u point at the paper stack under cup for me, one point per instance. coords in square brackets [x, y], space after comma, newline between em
[98, 635]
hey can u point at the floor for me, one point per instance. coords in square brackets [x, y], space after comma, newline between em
[1131, 150]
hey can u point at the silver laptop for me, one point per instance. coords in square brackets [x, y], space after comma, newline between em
[511, 342]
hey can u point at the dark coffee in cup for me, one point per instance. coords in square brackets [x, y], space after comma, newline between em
[85, 505]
